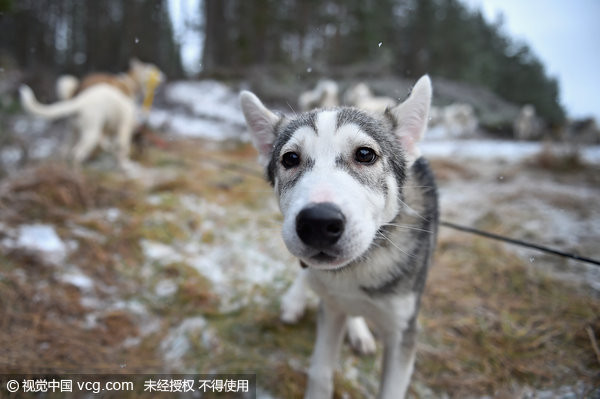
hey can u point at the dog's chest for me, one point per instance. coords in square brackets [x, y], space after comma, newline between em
[387, 312]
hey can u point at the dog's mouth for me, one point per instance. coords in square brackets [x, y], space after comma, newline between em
[325, 260]
[323, 257]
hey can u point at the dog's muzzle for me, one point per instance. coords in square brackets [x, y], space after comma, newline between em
[320, 225]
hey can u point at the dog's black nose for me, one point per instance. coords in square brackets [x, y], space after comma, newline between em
[320, 225]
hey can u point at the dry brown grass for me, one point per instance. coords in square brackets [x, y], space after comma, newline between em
[552, 161]
[490, 322]
[567, 167]
[446, 170]
[55, 192]
[42, 327]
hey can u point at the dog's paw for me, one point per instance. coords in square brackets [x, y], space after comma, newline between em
[361, 338]
[291, 312]
[292, 307]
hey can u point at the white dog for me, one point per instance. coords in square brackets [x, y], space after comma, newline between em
[361, 96]
[324, 95]
[100, 104]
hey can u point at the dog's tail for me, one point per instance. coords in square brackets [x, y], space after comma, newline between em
[66, 86]
[57, 110]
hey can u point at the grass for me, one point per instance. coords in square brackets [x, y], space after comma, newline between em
[564, 167]
[490, 325]
[563, 163]
[490, 321]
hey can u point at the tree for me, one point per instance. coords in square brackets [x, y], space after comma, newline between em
[81, 36]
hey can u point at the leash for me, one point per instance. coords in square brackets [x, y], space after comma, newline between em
[151, 84]
[153, 81]
[519, 243]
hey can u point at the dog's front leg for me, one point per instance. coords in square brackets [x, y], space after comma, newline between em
[398, 363]
[124, 135]
[294, 300]
[330, 332]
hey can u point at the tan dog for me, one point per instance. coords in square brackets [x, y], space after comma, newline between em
[100, 103]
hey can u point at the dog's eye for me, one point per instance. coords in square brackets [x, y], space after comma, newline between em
[290, 159]
[365, 155]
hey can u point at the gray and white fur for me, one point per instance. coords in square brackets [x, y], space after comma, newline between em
[361, 213]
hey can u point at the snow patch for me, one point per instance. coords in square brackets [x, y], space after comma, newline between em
[41, 238]
[165, 288]
[156, 251]
[209, 98]
[10, 156]
[203, 109]
[503, 150]
[177, 342]
[79, 280]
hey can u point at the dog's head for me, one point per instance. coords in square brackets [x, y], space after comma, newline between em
[143, 73]
[338, 172]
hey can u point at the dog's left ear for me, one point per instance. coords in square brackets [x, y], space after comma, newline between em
[261, 123]
[412, 116]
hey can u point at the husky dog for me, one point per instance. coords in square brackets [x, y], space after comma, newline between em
[100, 103]
[361, 213]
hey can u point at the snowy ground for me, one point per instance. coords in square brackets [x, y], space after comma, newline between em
[204, 109]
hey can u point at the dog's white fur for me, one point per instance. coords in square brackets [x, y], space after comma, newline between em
[365, 211]
[66, 86]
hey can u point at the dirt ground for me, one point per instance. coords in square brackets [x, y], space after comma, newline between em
[178, 266]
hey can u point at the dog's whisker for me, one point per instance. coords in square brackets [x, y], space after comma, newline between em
[427, 187]
[406, 226]
[292, 108]
[394, 244]
[412, 210]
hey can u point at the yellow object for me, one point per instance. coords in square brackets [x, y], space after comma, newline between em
[153, 81]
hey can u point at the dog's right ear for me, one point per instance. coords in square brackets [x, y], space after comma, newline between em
[261, 123]
[412, 116]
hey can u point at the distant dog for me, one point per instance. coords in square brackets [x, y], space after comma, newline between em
[456, 120]
[100, 104]
[133, 83]
[360, 96]
[324, 95]
[527, 125]
[361, 213]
